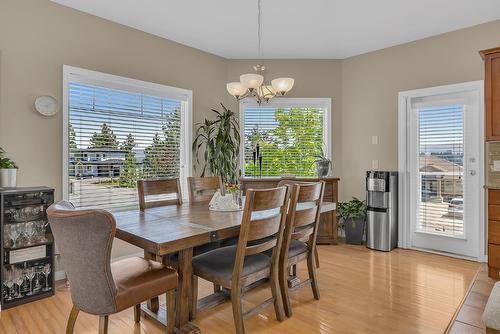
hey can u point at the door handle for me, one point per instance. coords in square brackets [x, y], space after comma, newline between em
[472, 172]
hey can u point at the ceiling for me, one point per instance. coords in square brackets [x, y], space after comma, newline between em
[314, 29]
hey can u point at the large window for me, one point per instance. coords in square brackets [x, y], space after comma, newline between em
[119, 130]
[290, 134]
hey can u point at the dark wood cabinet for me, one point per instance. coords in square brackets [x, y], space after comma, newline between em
[27, 245]
[492, 93]
[327, 233]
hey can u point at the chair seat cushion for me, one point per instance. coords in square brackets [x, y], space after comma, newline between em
[219, 263]
[137, 280]
[491, 315]
[296, 247]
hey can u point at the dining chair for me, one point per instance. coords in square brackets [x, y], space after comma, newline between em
[158, 187]
[239, 266]
[291, 183]
[299, 238]
[202, 189]
[99, 287]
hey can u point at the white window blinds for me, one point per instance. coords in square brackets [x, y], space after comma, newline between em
[441, 155]
[289, 138]
[117, 137]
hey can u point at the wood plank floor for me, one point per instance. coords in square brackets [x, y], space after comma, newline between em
[362, 291]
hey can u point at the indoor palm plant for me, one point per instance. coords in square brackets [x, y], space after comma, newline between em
[8, 171]
[352, 217]
[219, 140]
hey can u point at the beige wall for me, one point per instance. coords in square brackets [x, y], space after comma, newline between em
[370, 86]
[37, 37]
[313, 79]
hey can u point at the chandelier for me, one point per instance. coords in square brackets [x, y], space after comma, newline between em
[253, 84]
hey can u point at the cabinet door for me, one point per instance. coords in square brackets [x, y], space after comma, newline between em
[492, 96]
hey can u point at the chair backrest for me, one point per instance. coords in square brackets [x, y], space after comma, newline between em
[202, 189]
[158, 187]
[262, 224]
[303, 214]
[84, 239]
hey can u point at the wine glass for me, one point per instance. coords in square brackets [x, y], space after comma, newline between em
[30, 274]
[46, 272]
[19, 280]
[15, 233]
[9, 283]
[30, 232]
[8, 241]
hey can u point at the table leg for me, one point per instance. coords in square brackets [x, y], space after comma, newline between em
[183, 292]
[153, 303]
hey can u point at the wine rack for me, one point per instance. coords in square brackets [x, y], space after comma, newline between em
[27, 245]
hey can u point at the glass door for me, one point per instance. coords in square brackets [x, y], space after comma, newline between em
[443, 154]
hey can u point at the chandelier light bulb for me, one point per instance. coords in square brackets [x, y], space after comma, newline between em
[282, 85]
[236, 89]
[266, 92]
[251, 80]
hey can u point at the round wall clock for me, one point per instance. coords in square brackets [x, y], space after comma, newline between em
[46, 105]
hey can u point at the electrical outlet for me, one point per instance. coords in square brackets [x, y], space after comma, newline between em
[374, 164]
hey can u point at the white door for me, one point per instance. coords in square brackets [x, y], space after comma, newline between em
[444, 164]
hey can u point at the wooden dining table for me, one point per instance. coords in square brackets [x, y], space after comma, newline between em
[165, 230]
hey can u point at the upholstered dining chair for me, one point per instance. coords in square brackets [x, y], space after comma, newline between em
[84, 239]
[202, 189]
[299, 238]
[158, 187]
[238, 266]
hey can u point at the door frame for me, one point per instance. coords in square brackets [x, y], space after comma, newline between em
[404, 230]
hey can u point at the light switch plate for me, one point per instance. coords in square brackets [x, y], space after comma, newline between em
[374, 164]
[375, 140]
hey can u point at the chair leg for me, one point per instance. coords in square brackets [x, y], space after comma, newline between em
[103, 324]
[72, 319]
[193, 305]
[275, 290]
[311, 267]
[137, 313]
[170, 311]
[237, 310]
[316, 256]
[283, 280]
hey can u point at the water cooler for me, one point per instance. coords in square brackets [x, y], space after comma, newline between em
[382, 210]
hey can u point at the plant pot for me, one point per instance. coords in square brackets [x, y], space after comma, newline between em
[354, 231]
[8, 177]
[323, 167]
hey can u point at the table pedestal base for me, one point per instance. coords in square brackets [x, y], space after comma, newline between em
[161, 318]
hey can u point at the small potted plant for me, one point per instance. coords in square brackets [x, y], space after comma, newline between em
[352, 216]
[8, 171]
[323, 164]
[234, 190]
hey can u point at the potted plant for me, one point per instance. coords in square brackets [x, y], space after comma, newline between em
[352, 215]
[323, 164]
[219, 140]
[8, 171]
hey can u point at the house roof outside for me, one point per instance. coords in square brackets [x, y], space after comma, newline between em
[435, 163]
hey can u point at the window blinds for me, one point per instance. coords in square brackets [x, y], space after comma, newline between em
[115, 138]
[289, 138]
[441, 154]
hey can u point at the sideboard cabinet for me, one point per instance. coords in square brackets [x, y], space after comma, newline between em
[327, 232]
[492, 93]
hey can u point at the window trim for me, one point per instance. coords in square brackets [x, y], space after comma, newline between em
[124, 83]
[297, 102]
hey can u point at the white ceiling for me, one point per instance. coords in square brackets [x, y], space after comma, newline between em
[293, 28]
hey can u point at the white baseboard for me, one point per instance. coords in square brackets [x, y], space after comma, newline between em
[61, 274]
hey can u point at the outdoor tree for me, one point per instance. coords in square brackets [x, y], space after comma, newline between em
[128, 144]
[130, 173]
[290, 147]
[72, 138]
[105, 139]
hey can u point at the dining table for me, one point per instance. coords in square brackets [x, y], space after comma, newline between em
[166, 230]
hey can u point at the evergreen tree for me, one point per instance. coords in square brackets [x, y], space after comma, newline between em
[128, 144]
[72, 138]
[130, 173]
[105, 139]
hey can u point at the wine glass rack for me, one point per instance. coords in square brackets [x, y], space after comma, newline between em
[27, 245]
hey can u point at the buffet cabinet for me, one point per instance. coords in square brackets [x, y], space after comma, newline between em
[27, 245]
[327, 232]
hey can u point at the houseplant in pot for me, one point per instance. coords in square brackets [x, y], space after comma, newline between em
[8, 171]
[219, 142]
[323, 164]
[352, 216]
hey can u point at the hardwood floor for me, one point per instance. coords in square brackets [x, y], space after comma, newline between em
[362, 291]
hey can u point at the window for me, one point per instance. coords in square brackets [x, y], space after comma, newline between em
[290, 133]
[119, 130]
